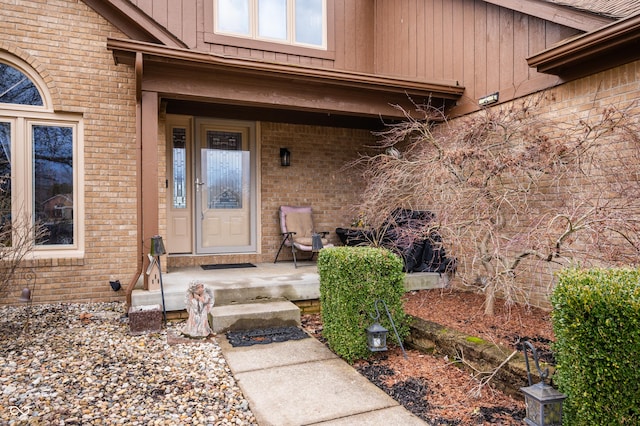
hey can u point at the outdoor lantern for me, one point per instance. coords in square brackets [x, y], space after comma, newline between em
[25, 296]
[544, 405]
[157, 246]
[377, 334]
[377, 337]
[157, 250]
[285, 157]
[543, 402]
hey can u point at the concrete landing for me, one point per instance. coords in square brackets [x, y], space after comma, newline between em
[301, 382]
[249, 316]
[266, 281]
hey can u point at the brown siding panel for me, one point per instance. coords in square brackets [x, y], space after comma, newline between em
[458, 29]
[175, 20]
[160, 12]
[469, 43]
[480, 45]
[364, 37]
[480, 77]
[506, 48]
[492, 58]
[412, 21]
[190, 26]
[520, 49]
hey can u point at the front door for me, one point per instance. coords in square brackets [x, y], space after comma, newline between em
[225, 211]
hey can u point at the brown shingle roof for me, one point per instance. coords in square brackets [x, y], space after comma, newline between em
[611, 8]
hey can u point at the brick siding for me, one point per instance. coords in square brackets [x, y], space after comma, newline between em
[65, 42]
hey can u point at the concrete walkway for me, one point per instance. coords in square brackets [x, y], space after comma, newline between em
[301, 382]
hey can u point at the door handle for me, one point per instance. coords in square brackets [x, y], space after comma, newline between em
[198, 184]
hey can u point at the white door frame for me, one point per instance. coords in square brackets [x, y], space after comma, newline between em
[251, 146]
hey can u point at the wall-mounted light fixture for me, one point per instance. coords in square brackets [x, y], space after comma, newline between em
[285, 157]
[489, 99]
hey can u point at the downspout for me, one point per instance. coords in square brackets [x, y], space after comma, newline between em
[139, 249]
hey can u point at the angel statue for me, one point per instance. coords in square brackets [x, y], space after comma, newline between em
[199, 304]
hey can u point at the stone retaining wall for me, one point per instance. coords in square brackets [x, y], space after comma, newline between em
[473, 354]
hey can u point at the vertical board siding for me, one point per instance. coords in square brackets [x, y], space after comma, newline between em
[190, 22]
[447, 38]
[458, 39]
[468, 43]
[479, 64]
[364, 37]
[175, 25]
[480, 45]
[437, 40]
[491, 61]
[506, 49]
[520, 49]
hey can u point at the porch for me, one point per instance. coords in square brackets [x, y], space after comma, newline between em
[265, 281]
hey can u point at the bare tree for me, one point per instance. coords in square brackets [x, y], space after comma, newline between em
[17, 238]
[512, 188]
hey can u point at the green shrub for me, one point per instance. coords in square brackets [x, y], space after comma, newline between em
[351, 280]
[596, 320]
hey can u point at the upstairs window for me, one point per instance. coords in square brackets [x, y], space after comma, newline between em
[39, 157]
[294, 22]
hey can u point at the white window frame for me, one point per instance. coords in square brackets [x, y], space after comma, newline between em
[291, 28]
[22, 118]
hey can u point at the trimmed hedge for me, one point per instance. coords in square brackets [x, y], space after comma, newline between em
[351, 280]
[596, 321]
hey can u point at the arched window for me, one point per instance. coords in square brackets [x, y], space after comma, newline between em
[39, 154]
[17, 88]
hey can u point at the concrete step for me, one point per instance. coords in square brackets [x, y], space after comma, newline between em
[425, 281]
[257, 314]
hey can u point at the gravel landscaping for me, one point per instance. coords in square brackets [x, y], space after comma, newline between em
[79, 364]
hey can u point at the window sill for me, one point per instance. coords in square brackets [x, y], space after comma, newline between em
[246, 43]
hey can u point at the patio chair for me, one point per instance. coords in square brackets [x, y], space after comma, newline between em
[298, 233]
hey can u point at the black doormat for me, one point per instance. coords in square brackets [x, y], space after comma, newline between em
[264, 336]
[228, 266]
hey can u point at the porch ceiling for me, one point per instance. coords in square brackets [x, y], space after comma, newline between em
[184, 74]
[240, 112]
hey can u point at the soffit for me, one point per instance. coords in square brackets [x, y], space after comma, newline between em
[177, 72]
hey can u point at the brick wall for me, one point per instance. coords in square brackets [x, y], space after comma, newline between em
[317, 177]
[65, 42]
[565, 105]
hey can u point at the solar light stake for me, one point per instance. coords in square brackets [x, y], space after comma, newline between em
[377, 334]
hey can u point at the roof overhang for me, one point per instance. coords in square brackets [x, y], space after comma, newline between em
[607, 47]
[187, 74]
[555, 13]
